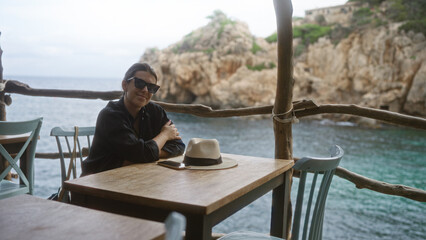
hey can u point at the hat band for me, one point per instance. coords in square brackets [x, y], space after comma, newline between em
[201, 161]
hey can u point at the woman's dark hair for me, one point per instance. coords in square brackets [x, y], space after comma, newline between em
[140, 67]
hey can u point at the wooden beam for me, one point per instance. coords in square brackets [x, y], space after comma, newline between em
[302, 108]
[205, 111]
[382, 187]
[14, 86]
[352, 109]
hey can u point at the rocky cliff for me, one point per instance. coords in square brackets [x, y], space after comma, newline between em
[224, 66]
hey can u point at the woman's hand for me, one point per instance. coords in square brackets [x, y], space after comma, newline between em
[170, 131]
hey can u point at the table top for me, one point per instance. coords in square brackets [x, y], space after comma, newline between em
[190, 191]
[29, 217]
[7, 139]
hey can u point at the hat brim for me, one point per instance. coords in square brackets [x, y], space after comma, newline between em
[226, 163]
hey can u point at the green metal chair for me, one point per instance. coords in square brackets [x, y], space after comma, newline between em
[312, 227]
[26, 185]
[63, 136]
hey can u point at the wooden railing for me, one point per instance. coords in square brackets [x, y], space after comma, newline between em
[301, 109]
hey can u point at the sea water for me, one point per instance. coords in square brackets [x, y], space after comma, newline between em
[390, 154]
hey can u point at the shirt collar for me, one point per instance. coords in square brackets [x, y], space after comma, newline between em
[123, 107]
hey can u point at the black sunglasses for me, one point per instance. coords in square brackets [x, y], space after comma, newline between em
[140, 83]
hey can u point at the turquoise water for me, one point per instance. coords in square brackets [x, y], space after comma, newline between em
[390, 154]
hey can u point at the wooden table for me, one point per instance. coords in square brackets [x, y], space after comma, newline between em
[205, 197]
[29, 217]
[8, 139]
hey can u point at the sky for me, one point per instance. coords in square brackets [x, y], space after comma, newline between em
[102, 38]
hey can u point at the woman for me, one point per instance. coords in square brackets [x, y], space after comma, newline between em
[133, 129]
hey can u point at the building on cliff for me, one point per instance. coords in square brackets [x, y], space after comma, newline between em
[340, 14]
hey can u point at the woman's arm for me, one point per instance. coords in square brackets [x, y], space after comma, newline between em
[165, 139]
[124, 142]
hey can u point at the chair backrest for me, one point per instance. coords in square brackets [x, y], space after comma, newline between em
[327, 167]
[28, 148]
[64, 137]
[175, 225]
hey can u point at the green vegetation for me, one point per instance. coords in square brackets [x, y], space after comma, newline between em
[362, 17]
[379, 22]
[339, 32]
[223, 20]
[320, 19]
[152, 50]
[299, 49]
[370, 2]
[216, 14]
[415, 26]
[188, 43]
[272, 38]
[189, 34]
[191, 39]
[176, 48]
[223, 23]
[255, 48]
[412, 12]
[260, 67]
[310, 33]
[397, 12]
[209, 50]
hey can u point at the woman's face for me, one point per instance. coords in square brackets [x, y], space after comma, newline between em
[136, 97]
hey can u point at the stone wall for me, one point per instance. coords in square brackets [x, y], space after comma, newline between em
[340, 14]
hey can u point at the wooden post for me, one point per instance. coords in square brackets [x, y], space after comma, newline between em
[2, 102]
[3, 163]
[282, 114]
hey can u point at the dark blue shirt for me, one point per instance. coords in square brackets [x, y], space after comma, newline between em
[116, 141]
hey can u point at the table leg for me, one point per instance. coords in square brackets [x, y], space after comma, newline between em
[3, 165]
[28, 170]
[281, 208]
[198, 227]
[24, 164]
[11, 148]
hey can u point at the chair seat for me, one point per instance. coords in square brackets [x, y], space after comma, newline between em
[246, 235]
[9, 189]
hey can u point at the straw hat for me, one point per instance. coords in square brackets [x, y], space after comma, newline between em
[204, 154]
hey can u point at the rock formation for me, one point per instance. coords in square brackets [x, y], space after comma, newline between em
[223, 65]
[378, 68]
